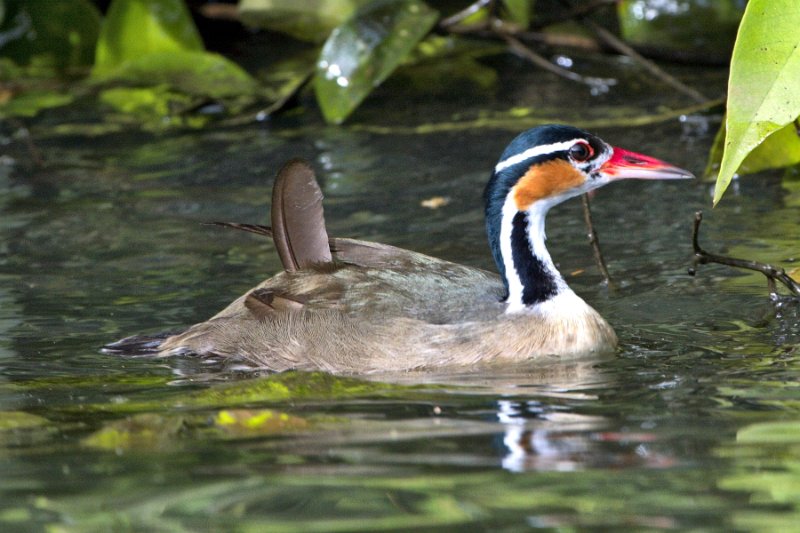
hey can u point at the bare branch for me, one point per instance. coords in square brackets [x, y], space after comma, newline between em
[593, 240]
[578, 42]
[520, 49]
[773, 273]
[454, 20]
[612, 41]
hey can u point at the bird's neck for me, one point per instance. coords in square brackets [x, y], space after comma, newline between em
[530, 275]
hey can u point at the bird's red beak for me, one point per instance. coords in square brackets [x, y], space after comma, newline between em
[630, 165]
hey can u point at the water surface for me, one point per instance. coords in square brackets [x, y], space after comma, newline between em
[693, 424]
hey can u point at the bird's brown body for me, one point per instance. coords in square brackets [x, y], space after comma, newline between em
[383, 309]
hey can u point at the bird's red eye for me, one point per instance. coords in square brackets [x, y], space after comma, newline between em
[581, 151]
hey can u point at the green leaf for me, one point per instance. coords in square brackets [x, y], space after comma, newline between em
[156, 108]
[784, 431]
[133, 29]
[30, 103]
[781, 149]
[763, 87]
[154, 43]
[363, 51]
[15, 420]
[201, 73]
[294, 386]
[252, 422]
[518, 12]
[49, 35]
[138, 433]
[309, 20]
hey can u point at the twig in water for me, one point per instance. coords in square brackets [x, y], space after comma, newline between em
[612, 41]
[617, 44]
[598, 254]
[773, 273]
[520, 49]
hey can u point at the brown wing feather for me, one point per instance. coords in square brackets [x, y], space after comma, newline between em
[298, 221]
[264, 303]
[366, 253]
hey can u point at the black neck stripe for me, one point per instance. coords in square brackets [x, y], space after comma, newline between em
[538, 282]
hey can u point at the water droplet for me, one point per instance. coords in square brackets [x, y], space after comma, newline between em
[564, 61]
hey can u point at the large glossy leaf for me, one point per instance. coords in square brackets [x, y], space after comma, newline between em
[155, 43]
[191, 72]
[763, 94]
[363, 51]
[48, 35]
[133, 29]
[309, 20]
[781, 149]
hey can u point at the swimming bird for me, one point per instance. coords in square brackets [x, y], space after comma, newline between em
[353, 307]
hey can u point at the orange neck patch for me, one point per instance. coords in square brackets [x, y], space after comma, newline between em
[544, 180]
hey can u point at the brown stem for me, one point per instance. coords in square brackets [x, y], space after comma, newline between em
[520, 49]
[773, 273]
[593, 240]
[274, 107]
[565, 40]
[612, 41]
[471, 9]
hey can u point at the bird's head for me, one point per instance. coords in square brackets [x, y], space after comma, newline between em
[549, 164]
[553, 163]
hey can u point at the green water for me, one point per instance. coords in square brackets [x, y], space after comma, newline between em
[693, 425]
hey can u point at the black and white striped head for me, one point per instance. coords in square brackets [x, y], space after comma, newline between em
[543, 167]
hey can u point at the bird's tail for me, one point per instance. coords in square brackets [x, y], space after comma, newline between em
[298, 221]
[138, 344]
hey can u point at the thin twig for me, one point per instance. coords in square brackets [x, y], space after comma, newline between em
[520, 49]
[773, 273]
[275, 107]
[565, 40]
[465, 13]
[612, 41]
[593, 240]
